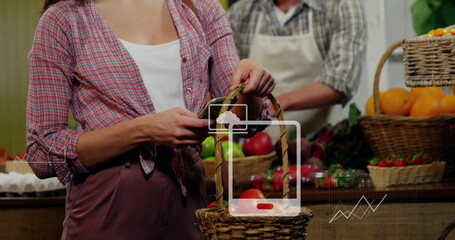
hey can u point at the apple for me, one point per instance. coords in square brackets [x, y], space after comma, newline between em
[208, 147]
[236, 153]
[259, 144]
[236, 150]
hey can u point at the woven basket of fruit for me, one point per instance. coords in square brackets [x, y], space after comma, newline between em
[400, 170]
[220, 224]
[399, 121]
[429, 60]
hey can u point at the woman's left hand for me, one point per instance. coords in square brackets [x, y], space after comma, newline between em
[259, 80]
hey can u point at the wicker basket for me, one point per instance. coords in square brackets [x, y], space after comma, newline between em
[429, 61]
[408, 135]
[222, 225]
[243, 167]
[428, 173]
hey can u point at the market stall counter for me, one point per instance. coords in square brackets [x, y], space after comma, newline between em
[402, 212]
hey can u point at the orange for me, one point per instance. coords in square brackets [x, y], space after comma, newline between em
[426, 106]
[369, 107]
[420, 91]
[448, 104]
[396, 101]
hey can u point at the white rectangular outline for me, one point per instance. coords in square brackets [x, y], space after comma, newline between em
[223, 130]
[293, 205]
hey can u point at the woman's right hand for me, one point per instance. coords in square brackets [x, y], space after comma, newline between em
[175, 127]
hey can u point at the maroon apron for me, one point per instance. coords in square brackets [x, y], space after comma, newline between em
[120, 202]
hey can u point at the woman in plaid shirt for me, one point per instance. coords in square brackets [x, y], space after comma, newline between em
[133, 168]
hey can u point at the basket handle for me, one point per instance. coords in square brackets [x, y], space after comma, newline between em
[219, 151]
[377, 75]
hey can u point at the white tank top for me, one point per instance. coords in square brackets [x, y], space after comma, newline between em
[161, 69]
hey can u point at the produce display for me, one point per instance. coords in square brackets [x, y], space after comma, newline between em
[418, 102]
[343, 143]
[340, 145]
[398, 169]
[336, 176]
[250, 156]
[441, 32]
[272, 180]
[400, 160]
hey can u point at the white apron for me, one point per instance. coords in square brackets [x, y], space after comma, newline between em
[295, 62]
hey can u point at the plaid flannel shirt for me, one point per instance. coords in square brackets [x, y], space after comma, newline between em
[339, 29]
[76, 63]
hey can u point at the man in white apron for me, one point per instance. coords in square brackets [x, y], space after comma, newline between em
[314, 49]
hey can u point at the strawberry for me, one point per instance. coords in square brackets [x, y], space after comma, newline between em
[257, 181]
[417, 159]
[400, 163]
[420, 158]
[277, 182]
[383, 163]
[399, 160]
[391, 161]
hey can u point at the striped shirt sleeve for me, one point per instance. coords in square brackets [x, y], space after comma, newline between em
[224, 56]
[342, 66]
[51, 145]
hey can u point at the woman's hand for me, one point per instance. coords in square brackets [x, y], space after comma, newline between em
[175, 127]
[259, 83]
[259, 80]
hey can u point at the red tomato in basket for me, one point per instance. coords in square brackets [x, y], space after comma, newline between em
[252, 193]
[259, 144]
[248, 201]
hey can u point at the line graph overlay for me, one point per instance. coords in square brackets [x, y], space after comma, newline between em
[348, 214]
[47, 152]
[373, 206]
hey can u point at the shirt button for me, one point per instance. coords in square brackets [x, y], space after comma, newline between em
[189, 90]
[184, 59]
